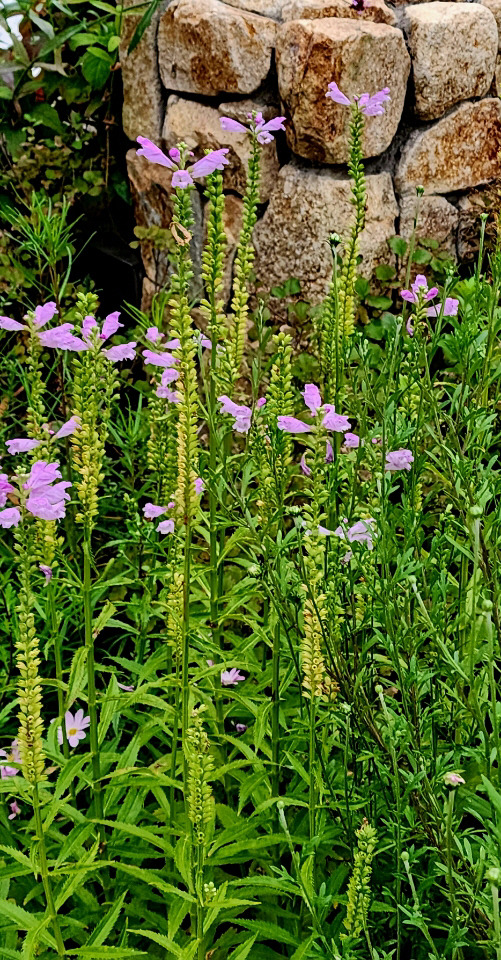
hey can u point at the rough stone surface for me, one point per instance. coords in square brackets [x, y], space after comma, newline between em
[359, 56]
[264, 8]
[471, 207]
[460, 151]
[453, 48]
[151, 194]
[232, 219]
[208, 47]
[198, 125]
[143, 106]
[312, 204]
[378, 12]
[437, 220]
[496, 84]
[495, 7]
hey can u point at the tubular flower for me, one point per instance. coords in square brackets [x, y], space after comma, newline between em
[361, 532]
[40, 495]
[75, 728]
[215, 160]
[242, 414]
[399, 460]
[370, 106]
[60, 336]
[255, 126]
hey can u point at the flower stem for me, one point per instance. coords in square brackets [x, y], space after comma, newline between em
[44, 870]
[91, 687]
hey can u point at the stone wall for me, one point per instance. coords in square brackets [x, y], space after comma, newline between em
[202, 59]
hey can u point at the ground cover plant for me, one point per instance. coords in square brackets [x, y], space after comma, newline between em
[250, 626]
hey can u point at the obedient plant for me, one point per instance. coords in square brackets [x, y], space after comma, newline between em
[263, 721]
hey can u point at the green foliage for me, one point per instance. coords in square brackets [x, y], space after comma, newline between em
[292, 747]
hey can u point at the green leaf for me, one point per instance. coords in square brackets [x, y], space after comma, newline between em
[78, 677]
[379, 303]
[107, 924]
[44, 114]
[143, 25]
[398, 245]
[42, 25]
[421, 256]
[113, 44]
[164, 942]
[106, 953]
[95, 69]
[385, 272]
[243, 950]
[362, 287]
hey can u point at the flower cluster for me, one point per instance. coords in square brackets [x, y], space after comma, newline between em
[60, 336]
[240, 412]
[43, 494]
[182, 177]
[26, 444]
[331, 420]
[369, 106]
[420, 294]
[256, 126]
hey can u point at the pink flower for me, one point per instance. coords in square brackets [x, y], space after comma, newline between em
[110, 325]
[293, 425]
[10, 517]
[399, 460]
[256, 125]
[312, 398]
[450, 308]
[153, 334]
[240, 727]
[165, 393]
[360, 5]
[329, 453]
[360, 532]
[62, 338]
[21, 446]
[351, 440]
[12, 757]
[261, 403]
[46, 498]
[453, 780]
[71, 426]
[47, 571]
[45, 313]
[370, 106]
[215, 160]
[166, 526]
[123, 351]
[199, 486]
[151, 511]
[334, 421]
[5, 488]
[15, 808]
[242, 414]
[410, 330]
[159, 359]
[335, 94]
[169, 375]
[6, 323]
[75, 728]
[123, 686]
[304, 466]
[419, 289]
[230, 678]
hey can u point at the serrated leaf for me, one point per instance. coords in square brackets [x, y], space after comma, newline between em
[243, 949]
[107, 924]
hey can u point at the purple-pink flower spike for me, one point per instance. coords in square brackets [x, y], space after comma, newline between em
[369, 105]
[399, 460]
[182, 178]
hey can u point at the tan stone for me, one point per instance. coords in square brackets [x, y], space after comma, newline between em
[497, 78]
[199, 127]
[308, 205]
[360, 57]
[264, 8]
[437, 220]
[453, 48]
[143, 107]
[495, 7]
[232, 220]
[208, 47]
[460, 151]
[152, 197]
[378, 12]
